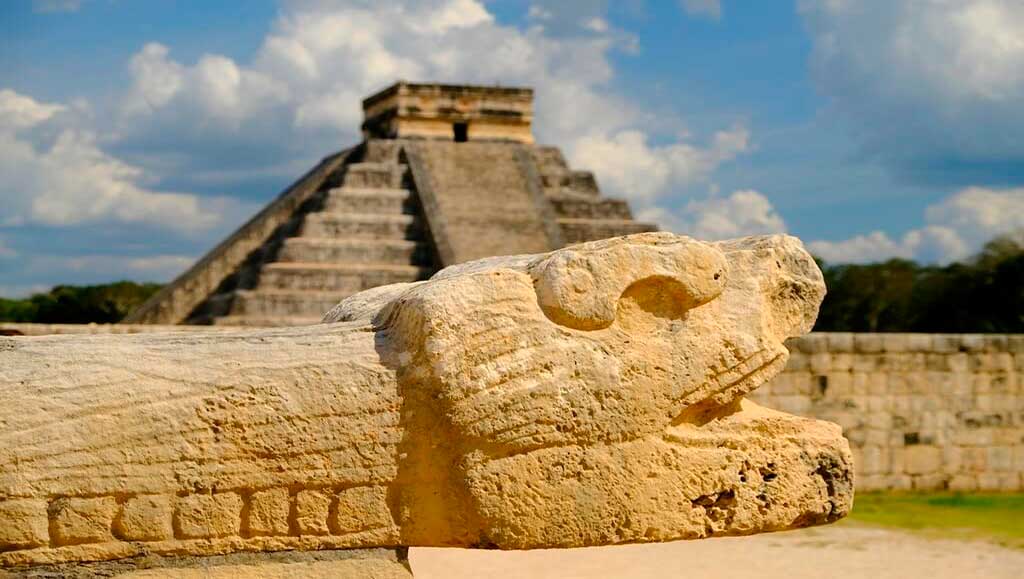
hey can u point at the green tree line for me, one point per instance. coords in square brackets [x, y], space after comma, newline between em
[69, 304]
[982, 294]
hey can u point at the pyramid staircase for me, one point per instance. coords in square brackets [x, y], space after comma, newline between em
[583, 214]
[356, 221]
[364, 229]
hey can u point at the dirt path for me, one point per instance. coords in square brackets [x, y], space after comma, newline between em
[838, 551]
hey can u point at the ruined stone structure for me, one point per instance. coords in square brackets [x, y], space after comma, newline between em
[921, 411]
[445, 174]
[589, 396]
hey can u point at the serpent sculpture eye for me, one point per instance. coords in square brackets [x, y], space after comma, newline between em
[588, 396]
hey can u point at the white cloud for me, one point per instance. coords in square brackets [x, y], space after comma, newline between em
[46, 6]
[628, 166]
[596, 24]
[70, 180]
[746, 212]
[21, 112]
[302, 91]
[955, 228]
[712, 8]
[927, 84]
[536, 12]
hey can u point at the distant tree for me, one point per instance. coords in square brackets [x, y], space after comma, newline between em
[66, 304]
[982, 294]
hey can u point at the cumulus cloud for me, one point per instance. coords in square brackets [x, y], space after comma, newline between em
[712, 8]
[741, 213]
[932, 86]
[954, 229]
[321, 58]
[630, 167]
[68, 179]
[217, 121]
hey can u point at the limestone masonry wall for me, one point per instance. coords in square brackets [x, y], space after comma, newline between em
[921, 411]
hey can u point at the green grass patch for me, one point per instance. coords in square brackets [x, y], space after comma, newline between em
[992, 517]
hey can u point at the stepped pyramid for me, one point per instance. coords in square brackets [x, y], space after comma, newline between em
[445, 174]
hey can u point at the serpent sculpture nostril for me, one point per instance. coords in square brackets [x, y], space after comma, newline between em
[580, 287]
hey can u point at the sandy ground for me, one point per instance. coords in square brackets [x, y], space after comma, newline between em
[839, 551]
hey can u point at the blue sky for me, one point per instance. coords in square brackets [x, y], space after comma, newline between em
[136, 135]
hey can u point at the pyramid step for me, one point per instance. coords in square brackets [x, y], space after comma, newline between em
[281, 303]
[579, 230]
[581, 182]
[361, 225]
[579, 207]
[344, 278]
[382, 151]
[331, 250]
[375, 175]
[265, 321]
[357, 200]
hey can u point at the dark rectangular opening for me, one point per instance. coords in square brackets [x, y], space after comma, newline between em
[461, 132]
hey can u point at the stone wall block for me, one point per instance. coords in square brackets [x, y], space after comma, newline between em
[75, 521]
[312, 511]
[900, 482]
[997, 343]
[269, 512]
[840, 342]
[878, 384]
[975, 459]
[1015, 344]
[842, 361]
[797, 361]
[27, 524]
[958, 363]
[927, 482]
[897, 460]
[867, 343]
[1000, 458]
[871, 482]
[963, 483]
[973, 342]
[1018, 457]
[920, 342]
[895, 342]
[840, 386]
[361, 508]
[204, 516]
[921, 459]
[145, 518]
[952, 459]
[874, 460]
[946, 343]
[860, 384]
[937, 362]
[821, 362]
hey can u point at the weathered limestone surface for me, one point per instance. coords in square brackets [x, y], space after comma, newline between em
[482, 199]
[589, 396]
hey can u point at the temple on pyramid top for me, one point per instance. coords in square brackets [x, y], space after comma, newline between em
[452, 112]
[444, 174]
